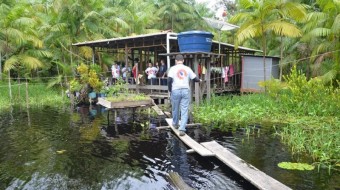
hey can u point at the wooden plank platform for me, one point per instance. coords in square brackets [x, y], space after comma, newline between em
[157, 110]
[258, 178]
[190, 142]
[124, 104]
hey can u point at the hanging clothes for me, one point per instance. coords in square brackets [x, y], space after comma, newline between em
[204, 70]
[226, 69]
[231, 70]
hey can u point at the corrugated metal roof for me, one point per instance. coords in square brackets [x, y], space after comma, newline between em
[100, 43]
[89, 43]
[240, 47]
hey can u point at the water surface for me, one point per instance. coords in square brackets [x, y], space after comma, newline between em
[50, 148]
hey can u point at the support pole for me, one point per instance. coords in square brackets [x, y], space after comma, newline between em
[0, 66]
[197, 90]
[93, 54]
[116, 127]
[126, 61]
[208, 79]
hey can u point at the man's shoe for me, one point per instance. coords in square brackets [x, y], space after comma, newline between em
[181, 133]
[175, 126]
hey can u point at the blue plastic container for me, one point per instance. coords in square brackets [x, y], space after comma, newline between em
[92, 95]
[195, 41]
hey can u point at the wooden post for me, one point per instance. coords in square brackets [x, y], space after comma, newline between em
[27, 104]
[197, 90]
[126, 61]
[108, 117]
[115, 118]
[9, 86]
[208, 80]
[93, 53]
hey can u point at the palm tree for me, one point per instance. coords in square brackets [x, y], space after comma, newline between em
[22, 43]
[323, 33]
[263, 18]
[176, 15]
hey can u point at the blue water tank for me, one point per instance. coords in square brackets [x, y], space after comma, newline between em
[195, 41]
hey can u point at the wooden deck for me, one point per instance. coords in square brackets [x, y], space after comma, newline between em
[258, 178]
[191, 142]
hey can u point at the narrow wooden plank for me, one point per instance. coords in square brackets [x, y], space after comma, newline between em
[178, 181]
[147, 87]
[157, 110]
[189, 151]
[168, 114]
[163, 127]
[190, 142]
[258, 178]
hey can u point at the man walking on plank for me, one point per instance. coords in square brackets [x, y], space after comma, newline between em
[179, 88]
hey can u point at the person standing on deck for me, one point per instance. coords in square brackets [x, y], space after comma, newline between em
[162, 72]
[179, 88]
[151, 72]
[115, 73]
[126, 72]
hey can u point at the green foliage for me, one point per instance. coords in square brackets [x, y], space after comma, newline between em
[295, 166]
[87, 77]
[49, 97]
[310, 97]
[308, 110]
[128, 97]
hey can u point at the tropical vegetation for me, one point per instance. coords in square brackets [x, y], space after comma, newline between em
[305, 114]
[36, 40]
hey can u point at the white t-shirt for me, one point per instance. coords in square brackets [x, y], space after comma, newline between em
[181, 75]
[125, 71]
[115, 72]
[151, 72]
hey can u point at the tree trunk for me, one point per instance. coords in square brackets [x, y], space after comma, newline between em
[9, 86]
[264, 57]
[0, 66]
[19, 84]
[281, 57]
[27, 104]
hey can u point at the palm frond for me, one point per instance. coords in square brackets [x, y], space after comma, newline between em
[14, 34]
[320, 32]
[336, 25]
[39, 53]
[239, 17]
[296, 11]
[329, 76]
[30, 62]
[24, 21]
[55, 81]
[246, 4]
[11, 63]
[59, 27]
[243, 34]
[283, 28]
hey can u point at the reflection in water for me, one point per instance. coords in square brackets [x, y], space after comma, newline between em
[95, 155]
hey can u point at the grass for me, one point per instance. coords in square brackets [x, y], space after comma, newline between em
[39, 95]
[316, 135]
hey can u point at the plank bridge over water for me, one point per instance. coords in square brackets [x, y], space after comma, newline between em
[256, 177]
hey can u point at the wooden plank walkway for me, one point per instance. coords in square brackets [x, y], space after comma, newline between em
[158, 110]
[190, 142]
[258, 178]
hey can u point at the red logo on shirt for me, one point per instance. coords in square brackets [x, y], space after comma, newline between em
[181, 74]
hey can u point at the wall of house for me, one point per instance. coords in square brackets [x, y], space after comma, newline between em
[253, 72]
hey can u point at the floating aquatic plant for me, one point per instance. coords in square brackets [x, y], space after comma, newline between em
[295, 166]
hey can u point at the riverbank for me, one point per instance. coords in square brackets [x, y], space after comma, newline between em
[39, 95]
[305, 113]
